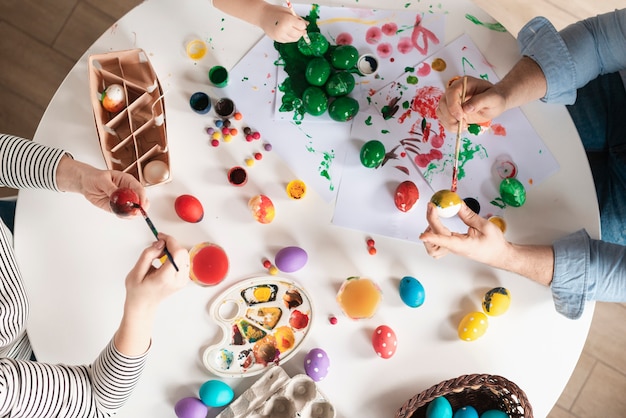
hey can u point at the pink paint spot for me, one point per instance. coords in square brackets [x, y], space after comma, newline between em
[373, 35]
[498, 129]
[436, 141]
[423, 70]
[344, 38]
[422, 160]
[426, 101]
[435, 154]
[384, 50]
[390, 29]
[421, 36]
[269, 75]
[405, 45]
[392, 59]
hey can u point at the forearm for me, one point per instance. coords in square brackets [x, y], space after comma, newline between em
[523, 84]
[134, 334]
[250, 11]
[535, 262]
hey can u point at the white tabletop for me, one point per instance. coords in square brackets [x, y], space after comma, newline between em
[74, 258]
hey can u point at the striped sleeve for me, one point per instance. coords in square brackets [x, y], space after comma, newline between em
[26, 164]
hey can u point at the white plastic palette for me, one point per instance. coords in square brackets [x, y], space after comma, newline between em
[264, 321]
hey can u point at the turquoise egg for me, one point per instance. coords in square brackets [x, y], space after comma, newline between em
[439, 408]
[215, 393]
[494, 413]
[412, 292]
[372, 153]
[466, 412]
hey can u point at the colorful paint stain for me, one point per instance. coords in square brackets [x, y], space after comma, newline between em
[491, 26]
[325, 164]
[439, 64]
[411, 79]
[422, 36]
[384, 50]
[423, 70]
[389, 29]
[344, 38]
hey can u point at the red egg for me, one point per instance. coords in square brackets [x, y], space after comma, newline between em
[406, 195]
[124, 201]
[188, 208]
[384, 341]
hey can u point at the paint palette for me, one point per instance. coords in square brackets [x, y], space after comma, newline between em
[264, 321]
[134, 138]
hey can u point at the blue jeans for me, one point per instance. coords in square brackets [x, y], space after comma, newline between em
[600, 118]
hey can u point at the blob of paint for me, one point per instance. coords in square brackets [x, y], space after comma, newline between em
[200, 102]
[439, 64]
[237, 176]
[208, 264]
[372, 153]
[218, 76]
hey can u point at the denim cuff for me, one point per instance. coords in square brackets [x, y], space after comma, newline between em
[571, 272]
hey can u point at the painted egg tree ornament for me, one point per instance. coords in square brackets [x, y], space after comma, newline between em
[343, 109]
[496, 301]
[344, 57]
[447, 202]
[316, 364]
[372, 153]
[473, 326]
[439, 407]
[290, 259]
[318, 46]
[512, 192]
[412, 292]
[262, 209]
[384, 341]
[113, 98]
[359, 297]
[406, 196]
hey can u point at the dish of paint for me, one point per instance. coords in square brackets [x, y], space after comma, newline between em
[264, 321]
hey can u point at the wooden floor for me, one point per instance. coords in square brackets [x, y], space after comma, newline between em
[41, 40]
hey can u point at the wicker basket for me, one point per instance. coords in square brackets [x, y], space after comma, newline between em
[482, 391]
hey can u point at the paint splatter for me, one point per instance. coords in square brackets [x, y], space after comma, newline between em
[324, 165]
[426, 101]
[411, 79]
[373, 35]
[384, 50]
[405, 45]
[422, 36]
[423, 70]
[368, 121]
[389, 29]
[439, 64]
[491, 26]
[498, 129]
[344, 38]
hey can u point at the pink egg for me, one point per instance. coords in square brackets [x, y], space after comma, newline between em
[190, 408]
[316, 364]
[290, 259]
[384, 341]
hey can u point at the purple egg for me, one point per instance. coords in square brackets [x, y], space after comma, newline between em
[190, 408]
[290, 259]
[316, 364]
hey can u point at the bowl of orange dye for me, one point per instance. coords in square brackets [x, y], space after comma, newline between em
[359, 297]
[209, 264]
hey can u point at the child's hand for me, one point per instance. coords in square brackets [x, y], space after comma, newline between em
[280, 24]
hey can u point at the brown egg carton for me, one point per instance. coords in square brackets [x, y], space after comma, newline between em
[136, 135]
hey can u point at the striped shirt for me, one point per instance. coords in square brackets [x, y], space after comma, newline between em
[33, 389]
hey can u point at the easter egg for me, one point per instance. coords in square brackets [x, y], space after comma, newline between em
[406, 196]
[290, 259]
[473, 326]
[359, 297]
[340, 84]
[262, 209]
[215, 393]
[190, 408]
[208, 264]
[343, 109]
[317, 71]
[316, 364]
[156, 171]
[447, 202]
[113, 98]
[318, 46]
[384, 341]
[372, 153]
[494, 413]
[465, 412]
[189, 208]
[344, 57]
[439, 408]
[124, 201]
[496, 301]
[314, 101]
[512, 192]
[412, 292]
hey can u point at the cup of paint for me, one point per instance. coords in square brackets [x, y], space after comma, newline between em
[218, 75]
[200, 102]
[225, 107]
[367, 64]
[237, 176]
[196, 49]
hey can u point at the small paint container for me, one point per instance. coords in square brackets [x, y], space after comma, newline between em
[200, 103]
[218, 75]
[237, 176]
[225, 108]
[296, 189]
[367, 65]
[196, 49]
[498, 221]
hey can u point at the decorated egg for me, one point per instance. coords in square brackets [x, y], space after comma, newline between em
[494, 413]
[317, 71]
[318, 46]
[215, 393]
[344, 57]
[439, 408]
[343, 109]
[406, 195]
[190, 408]
[372, 153]
[384, 341]
[340, 84]
[262, 209]
[512, 192]
[473, 326]
[156, 171]
[447, 202]
[189, 208]
[496, 301]
[359, 297]
[412, 292]
[113, 98]
[316, 364]
[314, 101]
[290, 259]
[465, 412]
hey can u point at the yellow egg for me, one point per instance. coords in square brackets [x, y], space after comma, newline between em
[496, 301]
[448, 203]
[473, 326]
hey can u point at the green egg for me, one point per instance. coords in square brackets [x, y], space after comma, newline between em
[343, 109]
[318, 46]
[340, 84]
[314, 100]
[317, 71]
[512, 192]
[343, 57]
[372, 153]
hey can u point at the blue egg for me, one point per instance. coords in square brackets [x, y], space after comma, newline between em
[215, 393]
[439, 408]
[494, 413]
[466, 412]
[412, 292]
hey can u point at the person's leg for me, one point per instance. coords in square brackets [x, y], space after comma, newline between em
[600, 118]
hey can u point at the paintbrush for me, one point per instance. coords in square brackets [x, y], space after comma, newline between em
[155, 232]
[293, 12]
[457, 148]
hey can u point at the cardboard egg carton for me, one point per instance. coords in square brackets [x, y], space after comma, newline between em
[276, 395]
[136, 135]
